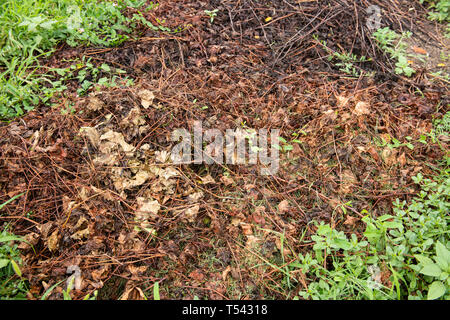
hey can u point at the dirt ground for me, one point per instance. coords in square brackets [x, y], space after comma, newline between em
[214, 231]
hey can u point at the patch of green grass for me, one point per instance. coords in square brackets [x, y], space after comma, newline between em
[32, 29]
[392, 44]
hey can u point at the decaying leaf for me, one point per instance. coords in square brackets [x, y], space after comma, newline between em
[147, 98]
[147, 209]
[95, 104]
[362, 108]
[283, 207]
[53, 241]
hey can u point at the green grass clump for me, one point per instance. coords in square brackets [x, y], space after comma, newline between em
[32, 29]
[401, 256]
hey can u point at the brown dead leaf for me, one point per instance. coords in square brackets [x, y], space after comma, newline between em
[226, 180]
[208, 180]
[53, 241]
[191, 213]
[419, 50]
[197, 275]
[283, 207]
[362, 108]
[350, 221]
[147, 98]
[225, 273]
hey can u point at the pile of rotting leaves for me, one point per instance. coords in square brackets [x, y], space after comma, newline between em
[101, 194]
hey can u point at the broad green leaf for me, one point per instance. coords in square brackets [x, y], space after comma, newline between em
[432, 270]
[436, 290]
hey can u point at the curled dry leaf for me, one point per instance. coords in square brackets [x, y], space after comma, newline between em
[53, 241]
[92, 134]
[147, 209]
[362, 108]
[147, 98]
[95, 104]
[283, 207]
[191, 213]
[348, 180]
[118, 139]
[139, 179]
[208, 180]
